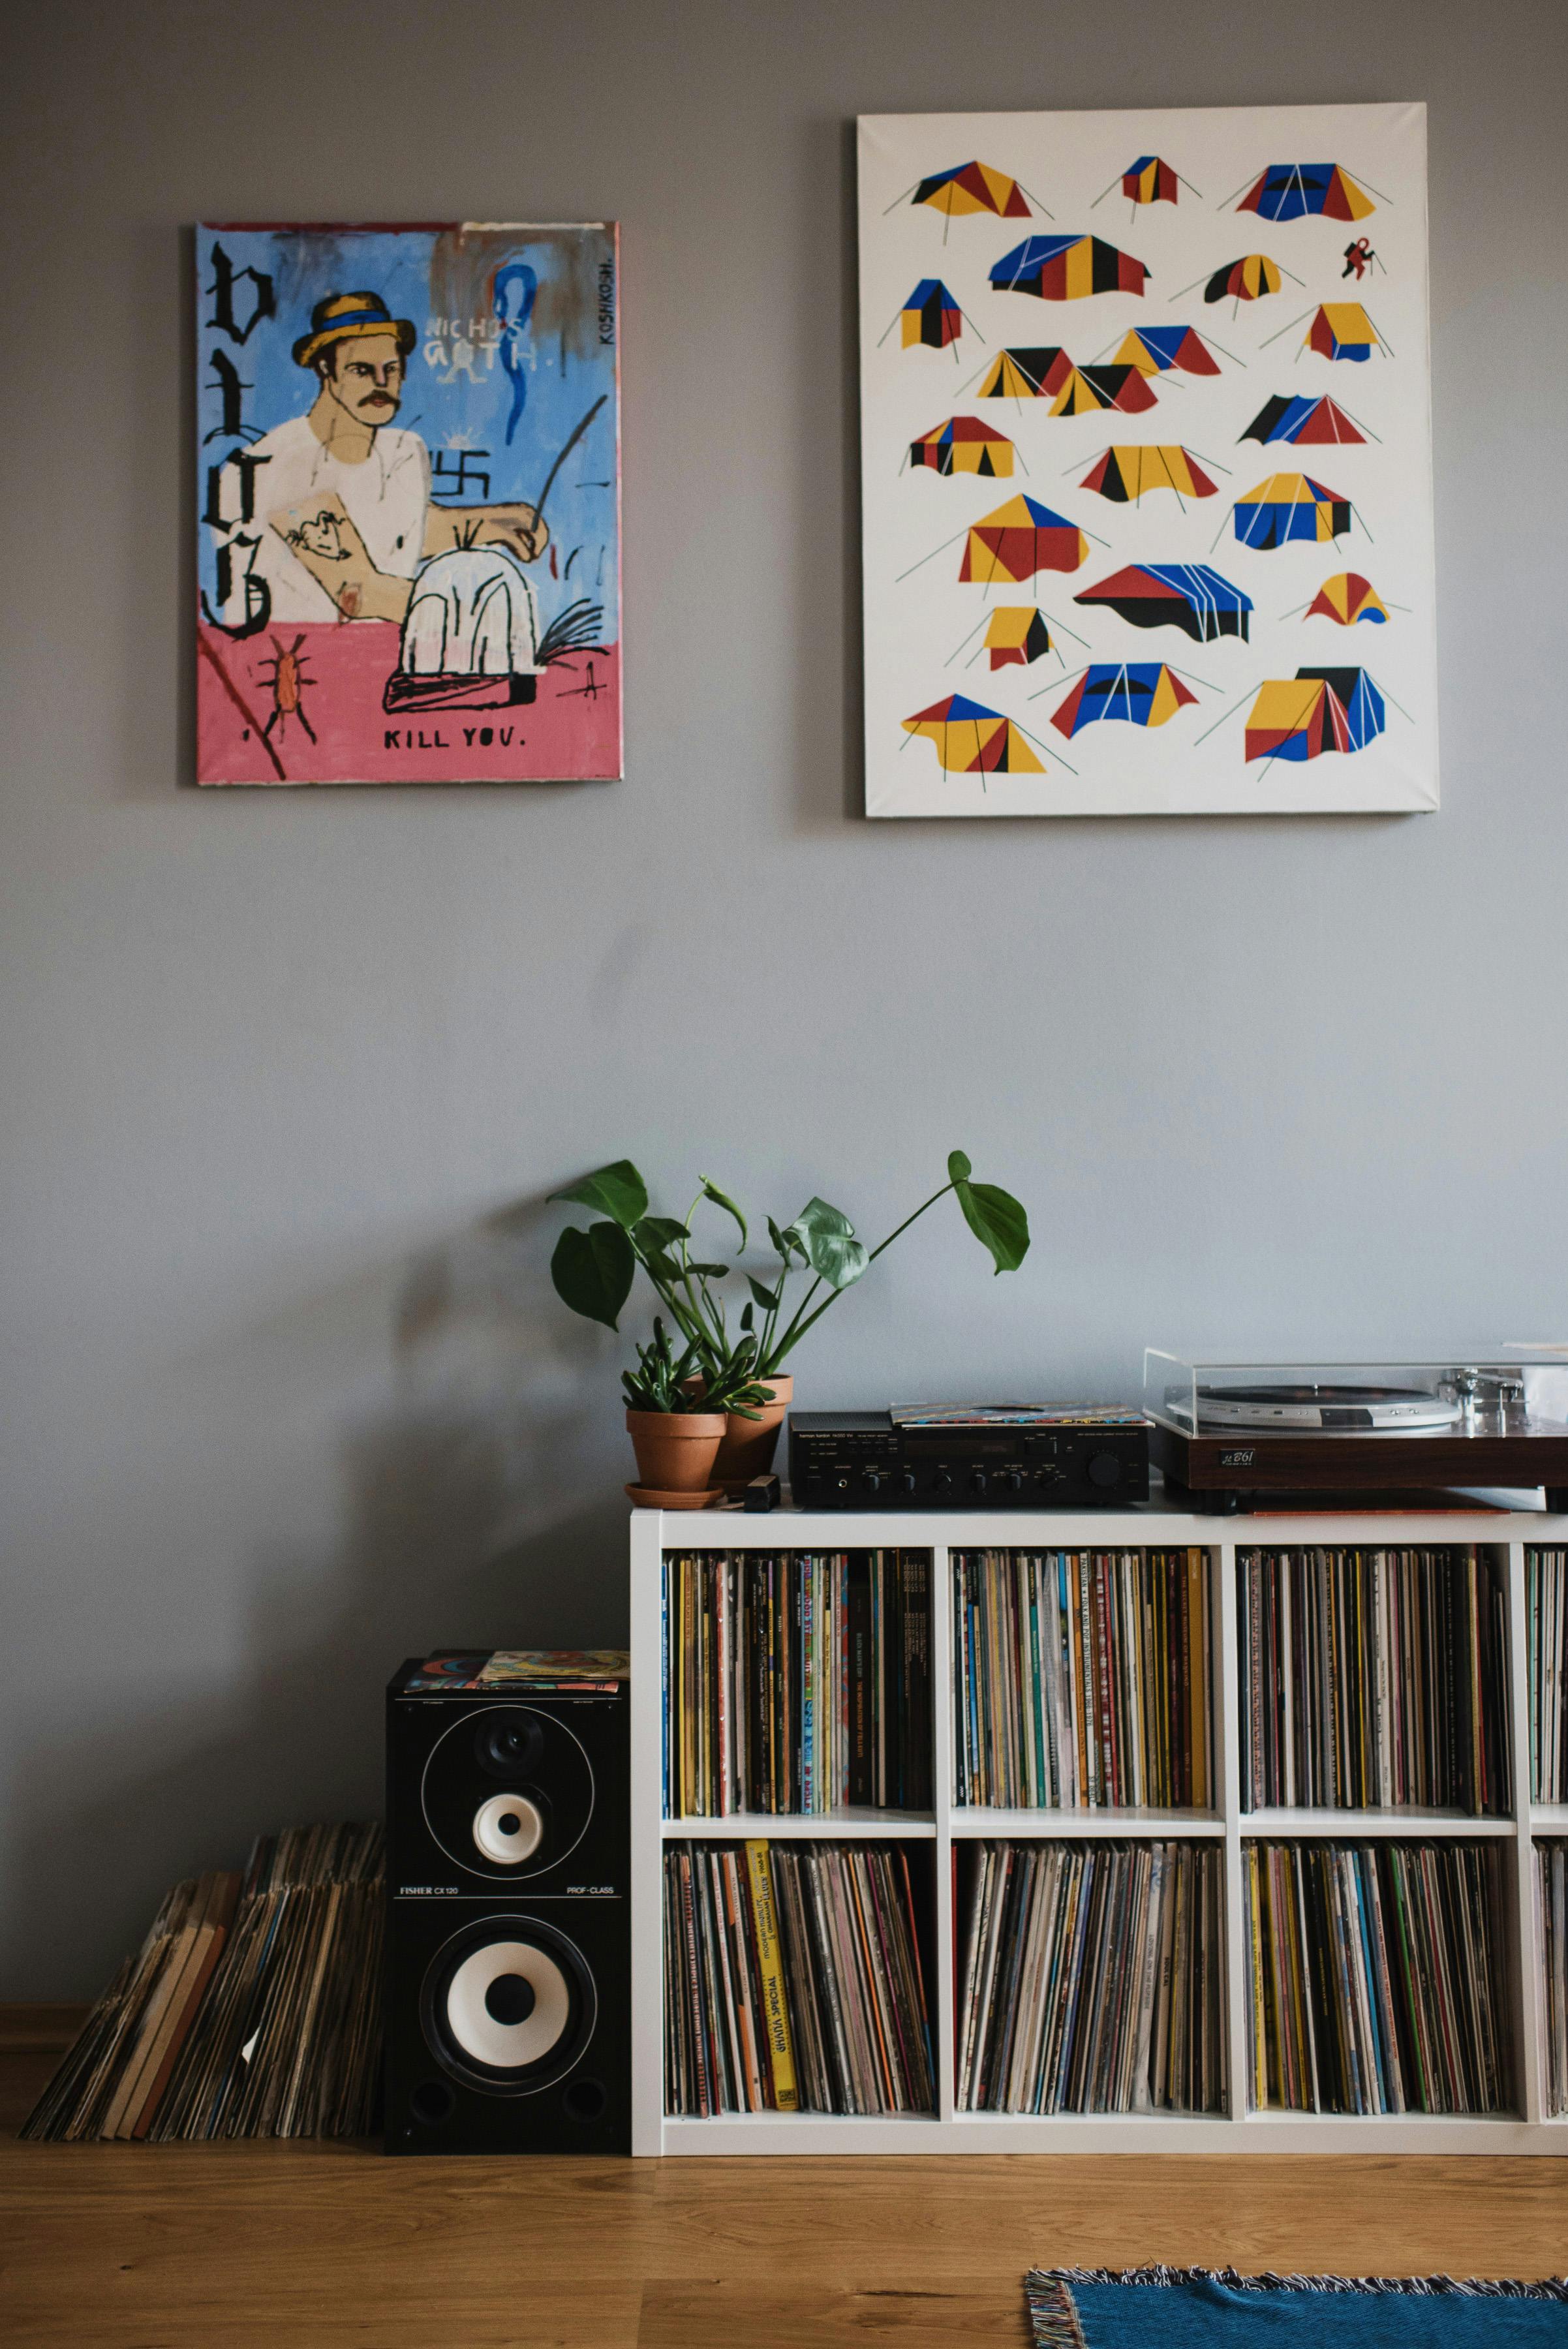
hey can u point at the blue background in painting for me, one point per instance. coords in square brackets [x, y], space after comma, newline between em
[306, 265]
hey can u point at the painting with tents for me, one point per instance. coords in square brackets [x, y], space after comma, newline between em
[1145, 461]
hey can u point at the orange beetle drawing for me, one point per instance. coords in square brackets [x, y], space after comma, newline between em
[289, 678]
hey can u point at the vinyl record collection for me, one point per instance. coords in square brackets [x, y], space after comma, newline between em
[1092, 1979]
[796, 1682]
[1552, 1889]
[1546, 1600]
[1373, 1678]
[796, 1981]
[1083, 1679]
[251, 2009]
[1374, 1976]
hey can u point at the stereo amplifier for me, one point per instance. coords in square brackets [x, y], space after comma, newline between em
[1016, 1456]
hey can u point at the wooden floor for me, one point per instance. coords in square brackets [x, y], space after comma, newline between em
[249, 2247]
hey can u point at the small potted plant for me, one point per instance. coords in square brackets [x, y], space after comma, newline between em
[740, 1365]
[674, 1431]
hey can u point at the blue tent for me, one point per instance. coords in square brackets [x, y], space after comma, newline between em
[1186, 596]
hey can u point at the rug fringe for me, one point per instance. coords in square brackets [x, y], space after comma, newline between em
[1049, 2286]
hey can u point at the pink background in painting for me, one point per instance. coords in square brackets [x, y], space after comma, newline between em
[567, 735]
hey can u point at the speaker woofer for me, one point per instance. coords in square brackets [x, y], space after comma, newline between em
[508, 2005]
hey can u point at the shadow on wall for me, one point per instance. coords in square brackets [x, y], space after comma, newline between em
[485, 1508]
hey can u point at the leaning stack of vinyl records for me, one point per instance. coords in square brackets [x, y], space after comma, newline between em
[796, 1981]
[1375, 1977]
[796, 1682]
[1091, 1980]
[1546, 1598]
[1083, 1679]
[251, 2009]
[1373, 1678]
[1551, 1891]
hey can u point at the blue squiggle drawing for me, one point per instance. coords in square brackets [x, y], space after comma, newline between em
[516, 275]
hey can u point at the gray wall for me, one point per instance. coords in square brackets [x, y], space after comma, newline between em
[285, 1076]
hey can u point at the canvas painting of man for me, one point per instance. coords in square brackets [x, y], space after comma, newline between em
[409, 502]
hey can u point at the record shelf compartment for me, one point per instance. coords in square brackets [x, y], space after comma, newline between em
[940, 1836]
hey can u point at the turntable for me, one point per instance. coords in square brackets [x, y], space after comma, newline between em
[1239, 1436]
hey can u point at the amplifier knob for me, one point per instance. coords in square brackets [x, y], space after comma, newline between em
[1105, 1469]
[1013, 1480]
[977, 1480]
[910, 1481]
[942, 1482]
[873, 1479]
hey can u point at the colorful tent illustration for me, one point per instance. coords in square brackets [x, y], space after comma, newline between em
[1153, 349]
[1187, 595]
[972, 740]
[931, 315]
[1287, 192]
[1066, 268]
[1124, 474]
[1282, 419]
[1036, 374]
[1289, 506]
[1017, 634]
[973, 187]
[1316, 711]
[964, 445]
[1342, 330]
[1089, 387]
[1347, 597]
[1020, 539]
[1141, 693]
[1150, 181]
[1245, 280]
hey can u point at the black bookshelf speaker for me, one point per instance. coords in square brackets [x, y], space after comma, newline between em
[508, 1912]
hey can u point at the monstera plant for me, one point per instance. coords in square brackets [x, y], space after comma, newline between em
[812, 1260]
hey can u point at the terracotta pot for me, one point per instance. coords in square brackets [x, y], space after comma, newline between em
[749, 1444]
[675, 1449]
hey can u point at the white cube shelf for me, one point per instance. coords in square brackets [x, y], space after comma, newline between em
[654, 1533]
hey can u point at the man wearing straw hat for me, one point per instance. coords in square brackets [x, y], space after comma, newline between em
[345, 493]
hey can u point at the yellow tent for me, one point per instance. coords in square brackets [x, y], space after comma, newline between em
[1125, 474]
[972, 740]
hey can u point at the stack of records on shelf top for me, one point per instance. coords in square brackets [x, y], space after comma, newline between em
[251, 2009]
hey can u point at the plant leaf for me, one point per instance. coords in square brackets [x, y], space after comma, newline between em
[826, 1238]
[708, 1271]
[657, 1232]
[786, 1245]
[618, 1191]
[720, 1199]
[995, 1218]
[768, 1298]
[959, 1168]
[593, 1271]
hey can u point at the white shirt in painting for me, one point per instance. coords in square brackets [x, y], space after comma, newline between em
[386, 498]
